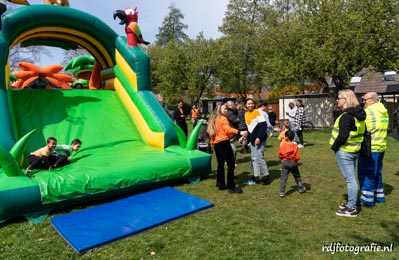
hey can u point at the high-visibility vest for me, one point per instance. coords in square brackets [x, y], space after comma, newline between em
[194, 113]
[354, 141]
[377, 123]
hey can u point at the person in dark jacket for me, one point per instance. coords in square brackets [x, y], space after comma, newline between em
[272, 119]
[179, 116]
[242, 126]
[232, 116]
[346, 138]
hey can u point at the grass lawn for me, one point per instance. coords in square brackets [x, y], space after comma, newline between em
[257, 224]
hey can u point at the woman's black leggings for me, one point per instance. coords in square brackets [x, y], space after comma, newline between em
[224, 153]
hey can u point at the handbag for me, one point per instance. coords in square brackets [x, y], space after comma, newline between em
[365, 148]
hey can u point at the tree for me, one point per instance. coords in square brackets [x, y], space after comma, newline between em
[241, 26]
[70, 54]
[172, 27]
[334, 38]
[200, 67]
[184, 68]
[169, 71]
[282, 40]
[30, 54]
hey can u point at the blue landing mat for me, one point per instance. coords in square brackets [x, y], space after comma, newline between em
[100, 225]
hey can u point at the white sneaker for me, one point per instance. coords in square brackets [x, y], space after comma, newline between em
[249, 182]
[300, 146]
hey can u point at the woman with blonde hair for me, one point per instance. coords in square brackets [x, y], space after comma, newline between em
[220, 132]
[346, 138]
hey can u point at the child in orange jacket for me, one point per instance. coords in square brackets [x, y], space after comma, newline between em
[286, 126]
[289, 156]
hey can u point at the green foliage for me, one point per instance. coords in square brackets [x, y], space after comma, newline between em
[184, 68]
[201, 66]
[291, 42]
[238, 71]
[276, 92]
[257, 224]
[168, 70]
[172, 27]
[340, 38]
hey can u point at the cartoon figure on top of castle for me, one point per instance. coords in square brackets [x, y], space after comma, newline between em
[57, 2]
[129, 17]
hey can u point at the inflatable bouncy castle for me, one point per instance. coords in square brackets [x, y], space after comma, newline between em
[129, 142]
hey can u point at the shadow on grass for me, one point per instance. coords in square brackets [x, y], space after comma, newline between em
[271, 163]
[397, 173]
[16, 220]
[391, 228]
[243, 160]
[387, 188]
[242, 176]
[294, 188]
[274, 175]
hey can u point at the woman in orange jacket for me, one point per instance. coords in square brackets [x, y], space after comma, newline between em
[221, 132]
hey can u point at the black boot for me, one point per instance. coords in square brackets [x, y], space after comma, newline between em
[266, 180]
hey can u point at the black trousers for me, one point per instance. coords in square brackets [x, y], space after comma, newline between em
[224, 153]
[44, 162]
[183, 125]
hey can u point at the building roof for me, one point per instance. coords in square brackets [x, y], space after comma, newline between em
[381, 88]
[374, 81]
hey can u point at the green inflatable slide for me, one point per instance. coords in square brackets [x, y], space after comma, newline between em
[129, 141]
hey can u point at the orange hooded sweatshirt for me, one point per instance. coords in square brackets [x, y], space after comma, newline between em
[289, 151]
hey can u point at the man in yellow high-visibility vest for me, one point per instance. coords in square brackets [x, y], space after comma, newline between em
[370, 169]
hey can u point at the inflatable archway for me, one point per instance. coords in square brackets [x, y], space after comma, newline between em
[129, 142]
[70, 28]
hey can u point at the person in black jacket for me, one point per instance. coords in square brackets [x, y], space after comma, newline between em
[272, 119]
[242, 126]
[234, 120]
[179, 116]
